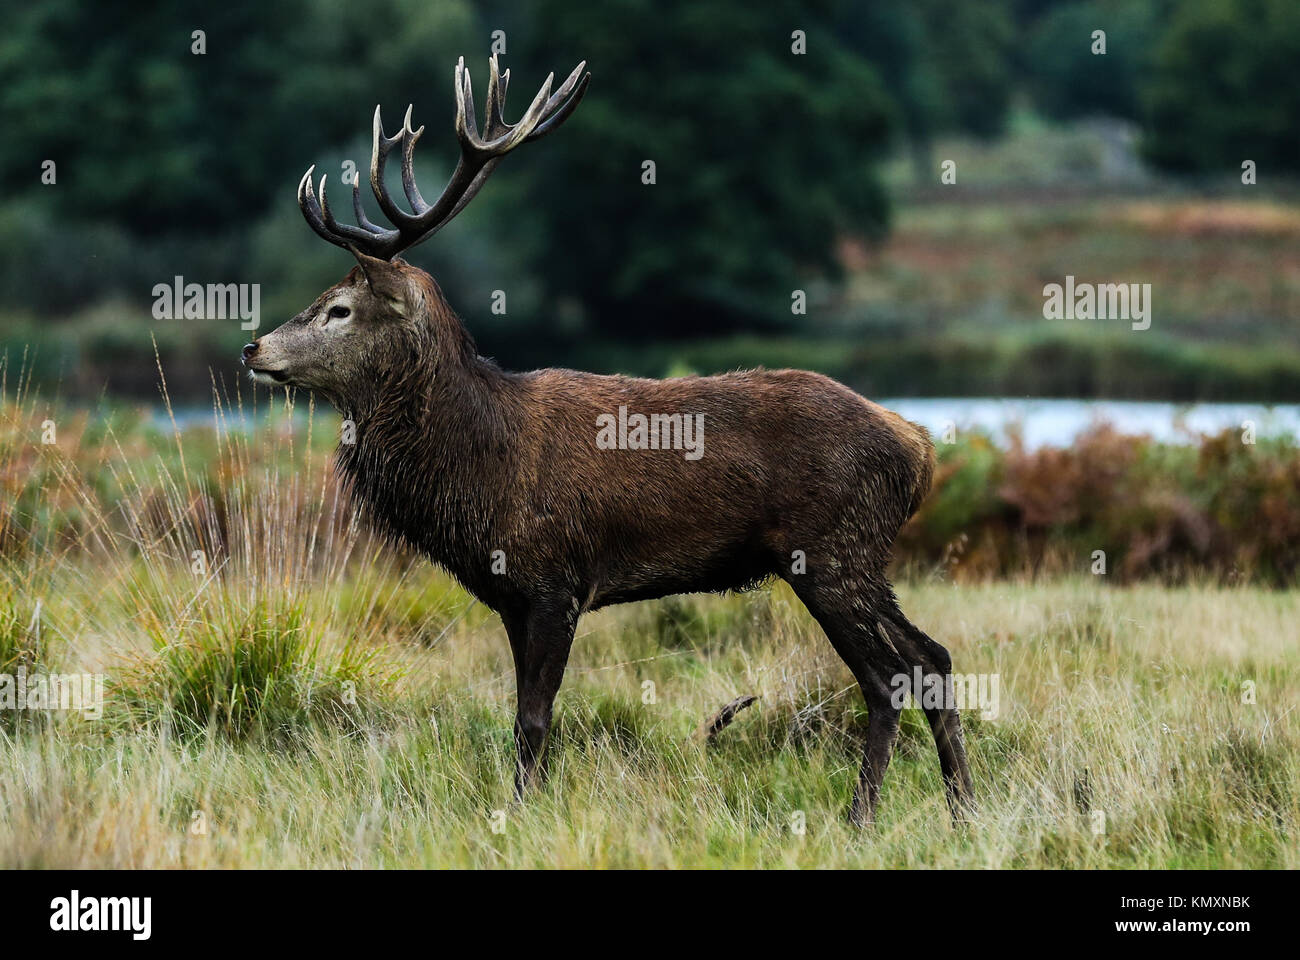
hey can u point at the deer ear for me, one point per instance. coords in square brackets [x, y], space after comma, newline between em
[384, 278]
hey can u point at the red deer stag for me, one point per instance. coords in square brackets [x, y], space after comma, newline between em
[517, 485]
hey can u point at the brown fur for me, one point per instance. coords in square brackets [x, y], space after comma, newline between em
[460, 459]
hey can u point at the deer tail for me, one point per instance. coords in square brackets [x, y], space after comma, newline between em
[924, 471]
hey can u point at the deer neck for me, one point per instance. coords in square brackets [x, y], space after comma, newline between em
[432, 445]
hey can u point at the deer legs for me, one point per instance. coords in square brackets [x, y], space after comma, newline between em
[540, 640]
[880, 645]
[882, 733]
[864, 624]
[945, 724]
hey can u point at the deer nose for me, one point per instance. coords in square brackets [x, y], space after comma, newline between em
[249, 350]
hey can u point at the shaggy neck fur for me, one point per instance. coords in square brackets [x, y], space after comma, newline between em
[432, 459]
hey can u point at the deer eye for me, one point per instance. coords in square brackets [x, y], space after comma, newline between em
[338, 312]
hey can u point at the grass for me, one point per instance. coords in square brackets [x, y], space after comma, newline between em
[19, 645]
[261, 672]
[1124, 702]
[285, 691]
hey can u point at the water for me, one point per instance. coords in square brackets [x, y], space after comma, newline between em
[1041, 422]
[1057, 422]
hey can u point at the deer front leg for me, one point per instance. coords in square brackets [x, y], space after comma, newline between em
[541, 641]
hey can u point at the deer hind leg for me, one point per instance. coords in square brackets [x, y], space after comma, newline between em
[540, 641]
[847, 612]
[945, 724]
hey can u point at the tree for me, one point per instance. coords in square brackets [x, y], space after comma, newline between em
[1068, 80]
[1224, 89]
[157, 137]
[947, 66]
[762, 159]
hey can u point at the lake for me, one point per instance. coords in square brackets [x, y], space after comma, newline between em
[1058, 422]
[1041, 422]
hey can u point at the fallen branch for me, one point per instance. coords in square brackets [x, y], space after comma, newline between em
[713, 726]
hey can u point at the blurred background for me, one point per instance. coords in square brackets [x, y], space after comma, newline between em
[775, 171]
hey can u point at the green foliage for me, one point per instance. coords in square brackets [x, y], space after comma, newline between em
[258, 671]
[158, 138]
[965, 496]
[1069, 80]
[947, 67]
[21, 648]
[762, 158]
[767, 180]
[966, 50]
[19, 644]
[169, 161]
[1224, 89]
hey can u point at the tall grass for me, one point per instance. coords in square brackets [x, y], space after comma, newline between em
[201, 549]
[1123, 739]
[20, 646]
[260, 672]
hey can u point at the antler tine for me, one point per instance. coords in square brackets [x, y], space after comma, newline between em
[382, 146]
[311, 209]
[363, 234]
[558, 107]
[543, 115]
[528, 122]
[479, 156]
[360, 211]
[409, 136]
[509, 135]
[317, 212]
[495, 123]
[466, 123]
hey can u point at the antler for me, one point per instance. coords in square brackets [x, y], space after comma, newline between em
[479, 156]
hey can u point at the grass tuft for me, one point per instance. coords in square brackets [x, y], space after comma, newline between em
[263, 672]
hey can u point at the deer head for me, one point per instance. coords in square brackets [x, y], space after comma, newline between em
[386, 314]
